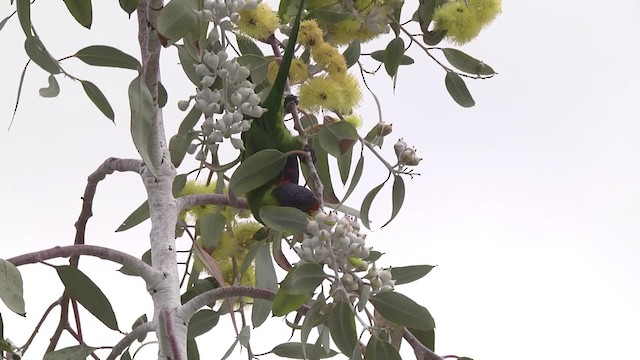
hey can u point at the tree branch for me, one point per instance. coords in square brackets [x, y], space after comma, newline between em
[136, 266]
[128, 339]
[422, 352]
[190, 201]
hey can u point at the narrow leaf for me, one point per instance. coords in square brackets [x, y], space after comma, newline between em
[101, 55]
[39, 54]
[187, 62]
[4, 22]
[77, 352]
[244, 336]
[357, 174]
[257, 170]
[293, 350]
[426, 337]
[162, 95]
[309, 323]
[265, 279]
[401, 310]
[433, 38]
[458, 90]
[322, 167]
[139, 321]
[284, 218]
[201, 322]
[141, 104]
[88, 294]
[11, 287]
[425, 13]
[137, 216]
[52, 90]
[366, 204]
[192, 350]
[352, 53]
[397, 197]
[179, 145]
[81, 11]
[407, 274]
[211, 229]
[98, 98]
[342, 325]
[23, 8]
[344, 166]
[466, 63]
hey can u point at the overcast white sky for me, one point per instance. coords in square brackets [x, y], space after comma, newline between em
[528, 202]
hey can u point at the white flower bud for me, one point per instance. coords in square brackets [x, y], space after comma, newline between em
[376, 283]
[213, 35]
[324, 235]
[226, 25]
[216, 137]
[201, 156]
[385, 276]
[236, 98]
[202, 70]
[183, 105]
[234, 17]
[207, 81]
[386, 288]
[246, 124]
[312, 227]
[321, 254]
[399, 147]
[223, 56]
[238, 144]
[207, 126]
[223, 73]
[253, 99]
[237, 116]
[227, 118]
[220, 126]
[201, 104]
[242, 74]
[235, 128]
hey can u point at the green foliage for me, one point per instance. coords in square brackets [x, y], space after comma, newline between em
[11, 287]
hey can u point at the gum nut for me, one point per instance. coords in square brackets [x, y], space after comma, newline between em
[315, 242]
[234, 17]
[324, 235]
[307, 254]
[235, 128]
[376, 283]
[223, 55]
[365, 252]
[386, 288]
[211, 108]
[216, 137]
[399, 147]
[223, 73]
[237, 116]
[207, 81]
[245, 108]
[321, 254]
[213, 35]
[342, 242]
[211, 59]
[226, 24]
[385, 275]
[201, 104]
[202, 70]
[183, 105]
[306, 242]
[215, 96]
[245, 125]
[237, 143]
[253, 99]
[240, 4]
[312, 227]
[201, 155]
[236, 98]
[192, 148]
[227, 118]
[207, 126]
[242, 73]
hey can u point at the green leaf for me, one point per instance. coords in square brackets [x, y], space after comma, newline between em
[201, 322]
[179, 145]
[357, 174]
[304, 279]
[401, 310]
[458, 90]
[192, 350]
[23, 8]
[366, 204]
[309, 323]
[407, 274]
[373, 256]
[338, 138]
[162, 95]
[293, 350]
[248, 47]
[137, 216]
[39, 54]
[284, 218]
[199, 286]
[425, 14]
[322, 167]
[188, 65]
[342, 325]
[380, 350]
[352, 53]
[77, 352]
[284, 303]
[344, 166]
[126, 355]
[98, 99]
[466, 63]
[101, 55]
[211, 227]
[177, 19]
[189, 121]
[4, 346]
[397, 197]
[11, 287]
[4, 22]
[393, 56]
[258, 66]
[265, 279]
[81, 11]
[426, 337]
[139, 321]
[228, 353]
[433, 38]
[141, 104]
[88, 294]
[52, 90]
[245, 336]
[129, 6]
[257, 170]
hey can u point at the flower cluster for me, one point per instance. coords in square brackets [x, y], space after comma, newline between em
[381, 280]
[464, 19]
[236, 99]
[335, 90]
[406, 155]
[225, 13]
[335, 242]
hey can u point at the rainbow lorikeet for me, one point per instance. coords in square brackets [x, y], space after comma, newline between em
[270, 132]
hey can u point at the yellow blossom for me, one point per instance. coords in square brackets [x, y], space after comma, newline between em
[485, 10]
[355, 120]
[329, 58]
[298, 72]
[259, 23]
[350, 94]
[459, 20]
[310, 33]
[320, 92]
